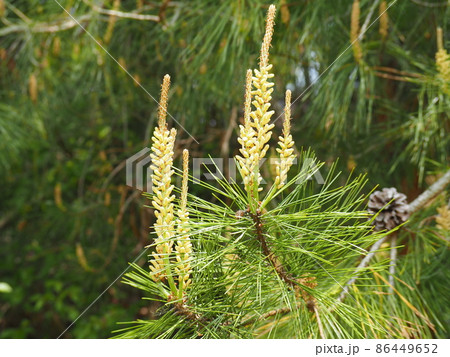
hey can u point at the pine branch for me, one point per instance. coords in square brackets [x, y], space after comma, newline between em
[46, 27]
[62, 25]
[319, 322]
[279, 268]
[430, 193]
[181, 309]
[414, 206]
[281, 311]
[126, 15]
[393, 257]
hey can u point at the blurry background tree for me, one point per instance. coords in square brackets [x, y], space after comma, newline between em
[70, 116]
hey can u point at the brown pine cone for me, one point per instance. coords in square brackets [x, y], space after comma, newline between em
[391, 206]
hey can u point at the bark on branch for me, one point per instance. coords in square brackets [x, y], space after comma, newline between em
[126, 15]
[292, 282]
[269, 255]
[66, 24]
[430, 193]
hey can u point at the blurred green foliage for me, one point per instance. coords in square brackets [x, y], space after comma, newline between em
[70, 116]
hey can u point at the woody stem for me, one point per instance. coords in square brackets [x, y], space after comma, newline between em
[268, 254]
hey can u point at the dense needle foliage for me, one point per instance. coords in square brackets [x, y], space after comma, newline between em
[70, 116]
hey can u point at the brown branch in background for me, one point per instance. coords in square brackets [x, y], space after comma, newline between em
[127, 15]
[414, 206]
[122, 14]
[66, 24]
[395, 74]
[225, 146]
[46, 27]
[162, 11]
[394, 78]
[6, 219]
[396, 71]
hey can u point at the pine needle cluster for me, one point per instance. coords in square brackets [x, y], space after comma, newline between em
[265, 268]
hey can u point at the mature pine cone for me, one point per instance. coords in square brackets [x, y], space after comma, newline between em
[392, 207]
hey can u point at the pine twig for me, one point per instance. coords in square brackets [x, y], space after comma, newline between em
[126, 15]
[281, 311]
[319, 322]
[280, 270]
[414, 206]
[46, 27]
[181, 309]
[60, 25]
[394, 78]
[396, 71]
[430, 193]
[393, 257]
